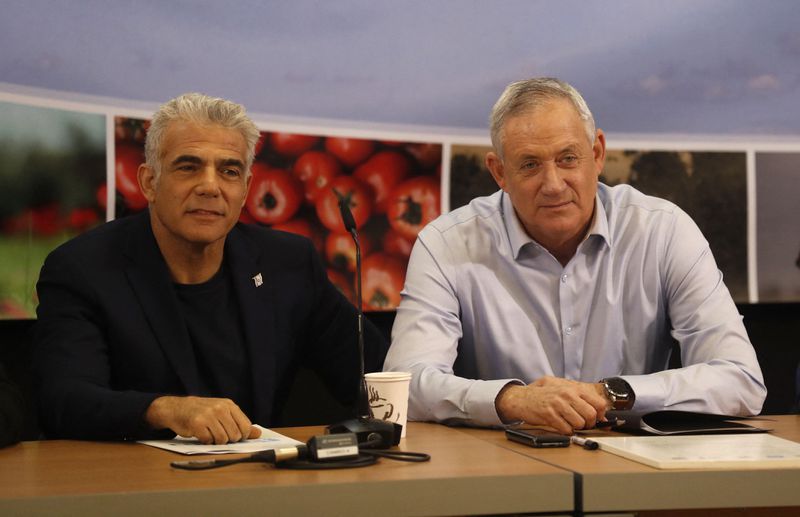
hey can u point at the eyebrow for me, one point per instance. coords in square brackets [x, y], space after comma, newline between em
[190, 158]
[187, 158]
[568, 148]
[227, 162]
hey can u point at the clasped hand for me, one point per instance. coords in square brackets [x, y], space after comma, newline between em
[210, 420]
[561, 404]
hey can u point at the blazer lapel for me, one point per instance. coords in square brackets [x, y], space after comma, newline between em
[251, 281]
[150, 280]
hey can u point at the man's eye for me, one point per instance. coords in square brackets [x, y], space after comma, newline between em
[234, 173]
[529, 166]
[569, 160]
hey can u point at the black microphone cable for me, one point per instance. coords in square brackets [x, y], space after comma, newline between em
[334, 451]
[273, 456]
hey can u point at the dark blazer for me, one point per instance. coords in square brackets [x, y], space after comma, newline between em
[110, 337]
[11, 411]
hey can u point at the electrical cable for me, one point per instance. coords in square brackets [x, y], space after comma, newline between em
[308, 457]
[365, 458]
[413, 457]
[362, 460]
[258, 457]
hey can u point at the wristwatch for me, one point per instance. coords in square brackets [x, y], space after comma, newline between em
[619, 392]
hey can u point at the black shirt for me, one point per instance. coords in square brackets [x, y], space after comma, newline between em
[211, 313]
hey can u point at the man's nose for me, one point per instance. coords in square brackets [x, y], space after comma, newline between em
[208, 182]
[552, 182]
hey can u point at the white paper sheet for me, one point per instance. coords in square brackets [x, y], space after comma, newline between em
[269, 440]
[706, 451]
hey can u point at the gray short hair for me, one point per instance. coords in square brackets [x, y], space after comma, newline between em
[522, 96]
[202, 109]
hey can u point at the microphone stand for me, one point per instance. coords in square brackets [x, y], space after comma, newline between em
[362, 410]
[366, 428]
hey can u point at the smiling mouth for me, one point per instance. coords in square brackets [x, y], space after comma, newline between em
[206, 213]
[557, 205]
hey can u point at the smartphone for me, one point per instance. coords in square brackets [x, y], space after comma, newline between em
[537, 438]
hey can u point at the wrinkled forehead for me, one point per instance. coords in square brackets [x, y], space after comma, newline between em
[553, 124]
[182, 137]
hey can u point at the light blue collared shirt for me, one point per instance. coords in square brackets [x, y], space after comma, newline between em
[485, 305]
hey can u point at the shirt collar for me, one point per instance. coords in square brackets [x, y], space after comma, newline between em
[599, 224]
[518, 237]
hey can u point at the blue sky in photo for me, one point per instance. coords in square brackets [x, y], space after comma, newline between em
[646, 66]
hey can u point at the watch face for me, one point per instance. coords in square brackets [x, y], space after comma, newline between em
[618, 387]
[620, 392]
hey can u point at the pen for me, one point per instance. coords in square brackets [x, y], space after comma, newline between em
[614, 422]
[589, 445]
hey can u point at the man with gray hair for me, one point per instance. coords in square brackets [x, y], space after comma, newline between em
[558, 297]
[179, 319]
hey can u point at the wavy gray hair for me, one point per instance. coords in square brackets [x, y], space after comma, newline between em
[526, 95]
[202, 109]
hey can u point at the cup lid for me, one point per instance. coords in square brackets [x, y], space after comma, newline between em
[388, 376]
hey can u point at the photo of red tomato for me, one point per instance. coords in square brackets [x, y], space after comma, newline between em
[301, 227]
[101, 196]
[316, 170]
[356, 194]
[275, 195]
[259, 144]
[81, 219]
[383, 171]
[130, 129]
[349, 151]
[289, 144]
[340, 250]
[428, 155]
[128, 159]
[396, 244]
[382, 279]
[245, 217]
[413, 204]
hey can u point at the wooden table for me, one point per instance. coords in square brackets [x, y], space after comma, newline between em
[473, 471]
[465, 476]
[610, 483]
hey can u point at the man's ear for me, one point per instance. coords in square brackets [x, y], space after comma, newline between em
[147, 182]
[599, 151]
[495, 165]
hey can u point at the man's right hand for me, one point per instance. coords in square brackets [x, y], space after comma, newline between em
[210, 420]
[560, 404]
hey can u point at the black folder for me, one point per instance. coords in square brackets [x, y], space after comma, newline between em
[667, 422]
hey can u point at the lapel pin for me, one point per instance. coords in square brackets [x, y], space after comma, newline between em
[258, 280]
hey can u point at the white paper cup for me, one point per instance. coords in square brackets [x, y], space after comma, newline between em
[388, 396]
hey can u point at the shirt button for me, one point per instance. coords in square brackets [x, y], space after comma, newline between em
[564, 278]
[568, 330]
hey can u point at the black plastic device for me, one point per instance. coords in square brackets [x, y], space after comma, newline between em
[537, 438]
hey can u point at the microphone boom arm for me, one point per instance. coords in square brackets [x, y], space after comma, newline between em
[370, 432]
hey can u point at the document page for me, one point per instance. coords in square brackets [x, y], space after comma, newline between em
[706, 451]
[268, 440]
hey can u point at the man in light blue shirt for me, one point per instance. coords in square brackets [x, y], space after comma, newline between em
[557, 298]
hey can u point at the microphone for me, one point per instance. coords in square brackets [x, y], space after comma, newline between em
[350, 225]
[347, 215]
[366, 428]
